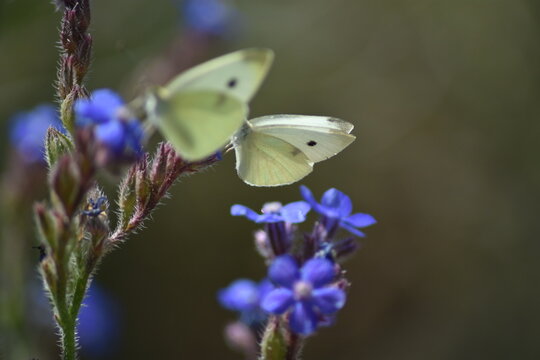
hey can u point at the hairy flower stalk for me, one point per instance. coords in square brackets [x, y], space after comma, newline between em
[73, 225]
[75, 54]
[70, 178]
[146, 184]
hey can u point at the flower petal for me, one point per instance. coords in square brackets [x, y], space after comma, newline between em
[318, 272]
[329, 299]
[29, 128]
[241, 295]
[241, 210]
[268, 218]
[113, 135]
[135, 135]
[303, 319]
[338, 202]
[284, 271]
[100, 108]
[295, 212]
[308, 196]
[265, 286]
[360, 220]
[351, 229]
[278, 301]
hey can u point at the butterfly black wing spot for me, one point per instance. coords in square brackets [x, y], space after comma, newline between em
[311, 143]
[232, 83]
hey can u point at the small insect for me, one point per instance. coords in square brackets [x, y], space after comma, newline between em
[96, 207]
[42, 252]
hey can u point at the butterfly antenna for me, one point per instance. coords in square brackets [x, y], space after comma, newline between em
[148, 130]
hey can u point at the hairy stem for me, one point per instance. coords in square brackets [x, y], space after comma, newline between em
[78, 296]
[75, 54]
[294, 347]
[69, 341]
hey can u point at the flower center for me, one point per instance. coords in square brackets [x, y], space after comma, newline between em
[302, 290]
[272, 207]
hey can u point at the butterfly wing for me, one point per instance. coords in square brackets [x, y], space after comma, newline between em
[239, 74]
[264, 160]
[318, 137]
[196, 123]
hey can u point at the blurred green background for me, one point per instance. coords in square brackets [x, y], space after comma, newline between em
[444, 96]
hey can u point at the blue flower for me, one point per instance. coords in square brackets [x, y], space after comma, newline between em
[213, 17]
[244, 296]
[274, 212]
[308, 291]
[99, 323]
[336, 208]
[113, 127]
[28, 130]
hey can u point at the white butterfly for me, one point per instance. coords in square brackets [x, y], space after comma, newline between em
[199, 110]
[281, 149]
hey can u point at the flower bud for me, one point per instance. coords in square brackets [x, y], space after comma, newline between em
[240, 337]
[66, 182]
[95, 216]
[262, 244]
[127, 199]
[273, 345]
[56, 145]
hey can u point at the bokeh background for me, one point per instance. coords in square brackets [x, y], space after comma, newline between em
[444, 96]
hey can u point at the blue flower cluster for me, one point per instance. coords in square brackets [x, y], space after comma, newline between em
[305, 282]
[119, 133]
[28, 130]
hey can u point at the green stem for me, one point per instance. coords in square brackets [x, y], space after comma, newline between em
[294, 347]
[68, 319]
[78, 296]
[67, 325]
[69, 340]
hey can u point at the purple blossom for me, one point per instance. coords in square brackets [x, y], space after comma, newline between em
[114, 128]
[335, 208]
[28, 130]
[244, 296]
[274, 212]
[308, 292]
[213, 17]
